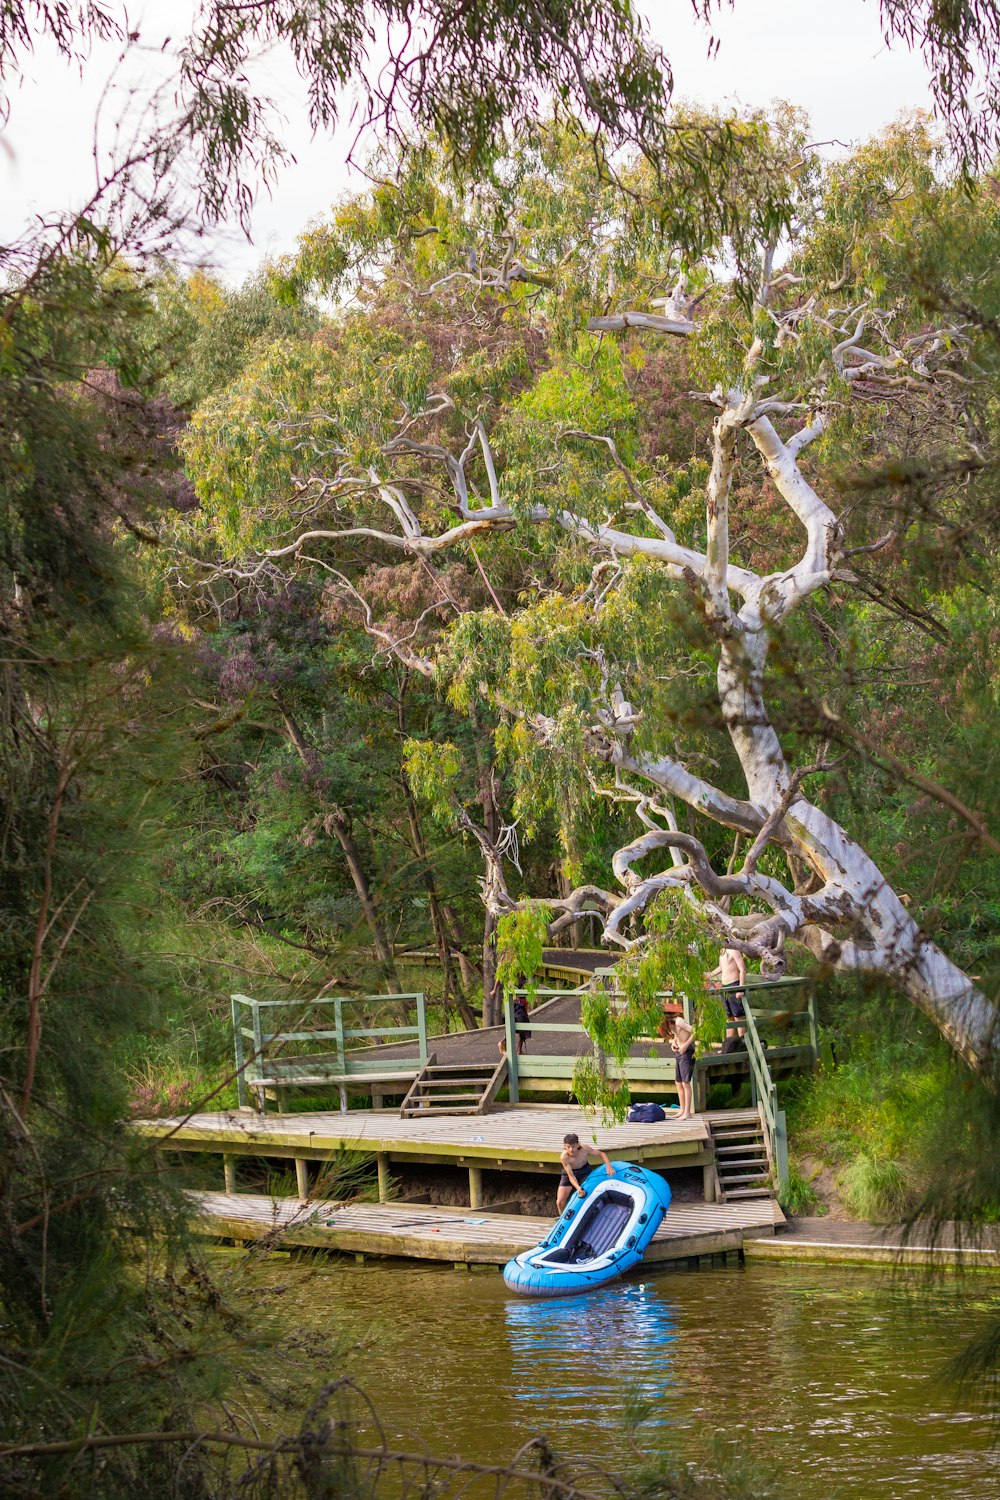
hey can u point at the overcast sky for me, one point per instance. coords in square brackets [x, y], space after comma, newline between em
[827, 57]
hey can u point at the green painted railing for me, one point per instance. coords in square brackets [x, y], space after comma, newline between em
[765, 1096]
[270, 1063]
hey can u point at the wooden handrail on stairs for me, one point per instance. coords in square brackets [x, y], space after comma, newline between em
[765, 1096]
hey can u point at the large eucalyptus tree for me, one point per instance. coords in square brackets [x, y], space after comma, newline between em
[366, 457]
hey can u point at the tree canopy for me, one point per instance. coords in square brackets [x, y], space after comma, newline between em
[673, 573]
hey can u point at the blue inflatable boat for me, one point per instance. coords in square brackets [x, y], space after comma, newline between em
[596, 1237]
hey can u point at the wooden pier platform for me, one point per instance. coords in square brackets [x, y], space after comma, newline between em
[523, 1137]
[520, 1138]
[458, 1236]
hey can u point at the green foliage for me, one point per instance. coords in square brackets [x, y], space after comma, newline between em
[206, 334]
[521, 938]
[894, 1119]
[243, 449]
[798, 1196]
[875, 1188]
[433, 771]
[595, 1091]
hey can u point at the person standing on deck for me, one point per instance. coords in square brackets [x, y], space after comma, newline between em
[730, 975]
[519, 1008]
[576, 1168]
[682, 1045]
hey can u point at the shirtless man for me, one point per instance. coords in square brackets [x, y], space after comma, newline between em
[731, 976]
[576, 1169]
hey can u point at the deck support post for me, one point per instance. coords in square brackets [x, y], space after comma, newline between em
[302, 1176]
[708, 1181]
[382, 1162]
[343, 1099]
[229, 1172]
[475, 1187]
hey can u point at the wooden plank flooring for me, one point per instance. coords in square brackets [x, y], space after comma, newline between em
[456, 1235]
[514, 1136]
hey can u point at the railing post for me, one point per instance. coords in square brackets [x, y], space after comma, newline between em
[813, 1026]
[241, 1083]
[338, 1024]
[780, 1149]
[422, 1026]
[258, 1047]
[511, 1036]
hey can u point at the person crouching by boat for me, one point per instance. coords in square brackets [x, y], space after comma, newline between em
[576, 1168]
[682, 1046]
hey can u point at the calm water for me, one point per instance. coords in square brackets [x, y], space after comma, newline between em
[831, 1376]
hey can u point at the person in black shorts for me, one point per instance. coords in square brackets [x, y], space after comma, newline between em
[731, 977]
[682, 1045]
[520, 1012]
[576, 1169]
[732, 999]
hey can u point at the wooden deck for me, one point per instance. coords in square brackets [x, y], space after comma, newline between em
[522, 1137]
[456, 1235]
[512, 1138]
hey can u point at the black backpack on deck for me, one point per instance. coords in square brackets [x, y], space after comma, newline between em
[646, 1114]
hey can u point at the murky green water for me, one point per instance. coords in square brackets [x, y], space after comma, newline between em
[833, 1376]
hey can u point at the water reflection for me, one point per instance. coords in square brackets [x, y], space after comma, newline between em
[619, 1338]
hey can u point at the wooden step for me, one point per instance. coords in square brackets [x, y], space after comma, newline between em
[443, 1098]
[741, 1193]
[459, 1109]
[448, 1083]
[444, 1088]
[729, 1150]
[730, 1182]
[466, 1067]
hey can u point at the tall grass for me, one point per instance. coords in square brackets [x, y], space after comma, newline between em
[879, 1115]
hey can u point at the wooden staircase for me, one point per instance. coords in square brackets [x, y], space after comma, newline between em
[454, 1088]
[742, 1165]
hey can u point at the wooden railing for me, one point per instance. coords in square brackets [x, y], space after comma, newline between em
[276, 1062]
[765, 1096]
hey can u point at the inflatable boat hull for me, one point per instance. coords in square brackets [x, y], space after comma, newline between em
[596, 1237]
